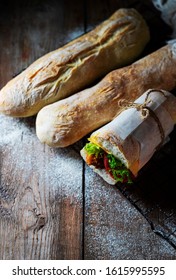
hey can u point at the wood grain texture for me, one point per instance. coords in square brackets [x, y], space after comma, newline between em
[114, 229]
[51, 205]
[41, 188]
[41, 207]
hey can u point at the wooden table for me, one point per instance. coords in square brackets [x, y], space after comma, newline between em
[52, 206]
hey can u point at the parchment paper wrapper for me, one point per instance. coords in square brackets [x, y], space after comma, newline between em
[130, 127]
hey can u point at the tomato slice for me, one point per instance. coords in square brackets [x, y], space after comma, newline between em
[108, 168]
[106, 163]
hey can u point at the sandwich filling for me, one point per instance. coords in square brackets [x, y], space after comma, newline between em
[100, 159]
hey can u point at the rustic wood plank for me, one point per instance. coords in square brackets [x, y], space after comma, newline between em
[41, 196]
[114, 229]
[42, 202]
[40, 187]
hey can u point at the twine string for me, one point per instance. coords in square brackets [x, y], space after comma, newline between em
[146, 111]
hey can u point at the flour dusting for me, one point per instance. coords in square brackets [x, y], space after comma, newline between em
[21, 151]
[110, 221]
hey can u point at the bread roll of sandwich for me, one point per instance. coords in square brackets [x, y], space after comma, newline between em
[66, 121]
[114, 43]
[118, 150]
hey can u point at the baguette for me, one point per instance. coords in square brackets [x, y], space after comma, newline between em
[114, 43]
[123, 146]
[65, 122]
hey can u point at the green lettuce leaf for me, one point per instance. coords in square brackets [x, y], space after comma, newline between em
[93, 149]
[118, 170]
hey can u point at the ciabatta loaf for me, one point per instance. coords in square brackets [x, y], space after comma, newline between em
[58, 74]
[66, 121]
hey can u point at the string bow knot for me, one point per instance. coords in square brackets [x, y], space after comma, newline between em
[146, 111]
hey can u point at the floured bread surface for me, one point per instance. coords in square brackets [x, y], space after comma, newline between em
[58, 74]
[64, 122]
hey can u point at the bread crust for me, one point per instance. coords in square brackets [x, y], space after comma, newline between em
[127, 150]
[65, 122]
[114, 43]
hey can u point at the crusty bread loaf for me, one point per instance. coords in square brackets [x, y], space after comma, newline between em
[58, 74]
[66, 121]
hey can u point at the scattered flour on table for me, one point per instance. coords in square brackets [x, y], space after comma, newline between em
[107, 227]
[113, 226]
[61, 169]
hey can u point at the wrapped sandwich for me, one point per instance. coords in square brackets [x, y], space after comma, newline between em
[118, 150]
